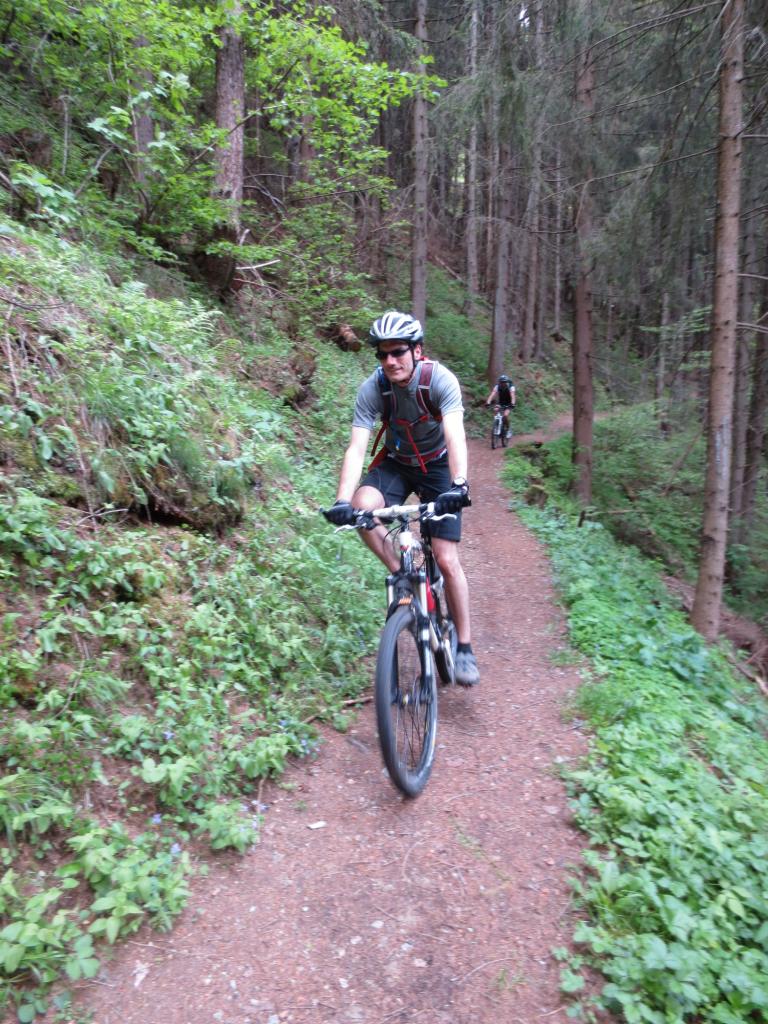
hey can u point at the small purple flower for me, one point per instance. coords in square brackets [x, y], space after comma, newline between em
[156, 819]
[175, 850]
[168, 735]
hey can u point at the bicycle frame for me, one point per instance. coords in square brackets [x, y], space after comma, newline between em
[409, 545]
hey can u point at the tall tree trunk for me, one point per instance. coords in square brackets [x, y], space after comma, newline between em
[583, 397]
[500, 327]
[219, 269]
[535, 220]
[543, 293]
[493, 162]
[557, 297]
[756, 427]
[230, 111]
[532, 258]
[705, 614]
[420, 225]
[661, 360]
[143, 127]
[748, 297]
[473, 278]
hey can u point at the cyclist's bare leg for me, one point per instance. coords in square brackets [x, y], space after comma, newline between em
[456, 587]
[376, 539]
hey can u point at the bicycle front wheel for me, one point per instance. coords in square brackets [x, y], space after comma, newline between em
[406, 704]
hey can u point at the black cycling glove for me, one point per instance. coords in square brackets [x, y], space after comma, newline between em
[340, 514]
[454, 500]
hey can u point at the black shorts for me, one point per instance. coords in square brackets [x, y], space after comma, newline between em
[396, 481]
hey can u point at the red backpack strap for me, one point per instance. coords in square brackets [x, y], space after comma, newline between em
[422, 392]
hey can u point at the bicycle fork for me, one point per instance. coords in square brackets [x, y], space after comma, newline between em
[425, 631]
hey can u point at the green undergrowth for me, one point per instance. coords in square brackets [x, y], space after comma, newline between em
[647, 491]
[175, 615]
[672, 796]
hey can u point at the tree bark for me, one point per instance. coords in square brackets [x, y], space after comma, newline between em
[230, 110]
[143, 126]
[705, 614]
[557, 297]
[535, 220]
[532, 258]
[493, 162]
[747, 300]
[500, 327]
[419, 227]
[661, 360]
[583, 396]
[756, 427]
[473, 278]
[542, 299]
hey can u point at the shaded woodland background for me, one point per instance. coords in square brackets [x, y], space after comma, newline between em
[202, 208]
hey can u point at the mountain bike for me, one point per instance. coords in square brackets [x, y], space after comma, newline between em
[499, 429]
[418, 635]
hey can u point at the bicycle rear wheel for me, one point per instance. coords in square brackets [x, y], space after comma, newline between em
[406, 704]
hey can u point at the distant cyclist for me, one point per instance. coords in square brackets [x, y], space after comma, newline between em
[503, 394]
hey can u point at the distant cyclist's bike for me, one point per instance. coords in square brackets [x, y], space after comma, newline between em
[499, 429]
[418, 635]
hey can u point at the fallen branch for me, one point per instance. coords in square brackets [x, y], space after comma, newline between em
[753, 677]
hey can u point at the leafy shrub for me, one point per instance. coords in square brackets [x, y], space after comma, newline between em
[672, 796]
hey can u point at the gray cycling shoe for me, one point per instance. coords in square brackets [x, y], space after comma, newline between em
[467, 672]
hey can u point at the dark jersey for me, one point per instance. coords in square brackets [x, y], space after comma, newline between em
[504, 392]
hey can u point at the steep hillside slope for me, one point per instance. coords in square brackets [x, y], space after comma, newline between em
[170, 626]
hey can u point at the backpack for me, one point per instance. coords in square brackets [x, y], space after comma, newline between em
[504, 392]
[425, 403]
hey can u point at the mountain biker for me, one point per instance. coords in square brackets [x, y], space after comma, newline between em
[503, 394]
[425, 451]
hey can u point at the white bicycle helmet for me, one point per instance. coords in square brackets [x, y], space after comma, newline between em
[396, 326]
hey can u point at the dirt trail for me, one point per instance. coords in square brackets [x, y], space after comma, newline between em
[360, 906]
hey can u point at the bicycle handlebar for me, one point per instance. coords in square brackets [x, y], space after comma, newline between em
[365, 519]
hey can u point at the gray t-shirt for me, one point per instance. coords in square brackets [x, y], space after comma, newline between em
[444, 394]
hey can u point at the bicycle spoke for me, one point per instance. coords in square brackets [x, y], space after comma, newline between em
[406, 705]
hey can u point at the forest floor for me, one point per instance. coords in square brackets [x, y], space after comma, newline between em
[358, 905]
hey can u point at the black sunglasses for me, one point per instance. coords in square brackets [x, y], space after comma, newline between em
[396, 352]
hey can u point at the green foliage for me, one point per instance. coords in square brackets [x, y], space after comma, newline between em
[132, 389]
[672, 796]
[219, 649]
[161, 70]
[648, 490]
